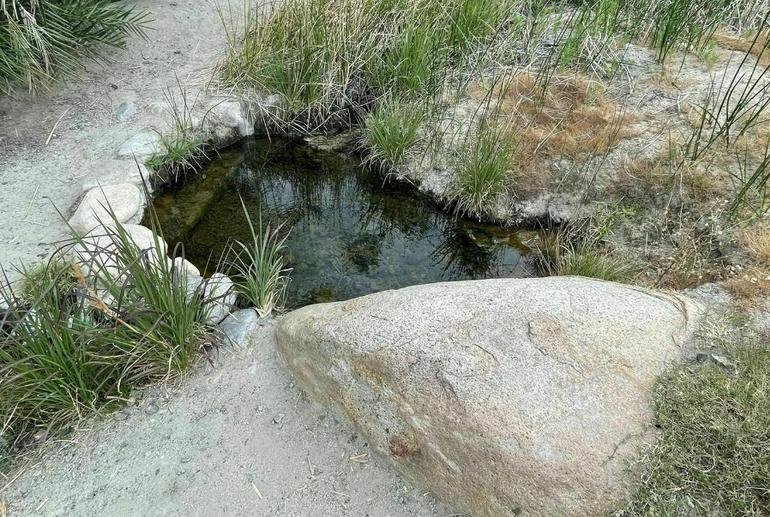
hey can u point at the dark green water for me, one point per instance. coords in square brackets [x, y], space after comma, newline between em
[350, 233]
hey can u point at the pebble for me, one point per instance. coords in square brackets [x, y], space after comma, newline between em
[125, 111]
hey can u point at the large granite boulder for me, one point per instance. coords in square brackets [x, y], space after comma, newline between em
[502, 397]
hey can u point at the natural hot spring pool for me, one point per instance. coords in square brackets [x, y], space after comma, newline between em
[351, 233]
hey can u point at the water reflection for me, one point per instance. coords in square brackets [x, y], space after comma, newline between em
[350, 232]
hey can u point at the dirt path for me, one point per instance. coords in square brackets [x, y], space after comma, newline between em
[35, 177]
[236, 439]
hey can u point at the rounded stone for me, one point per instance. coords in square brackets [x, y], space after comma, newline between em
[122, 201]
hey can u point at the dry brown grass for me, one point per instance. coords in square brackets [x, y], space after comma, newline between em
[754, 285]
[666, 177]
[571, 118]
[756, 240]
[744, 44]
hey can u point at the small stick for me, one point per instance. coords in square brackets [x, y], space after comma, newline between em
[12, 480]
[310, 467]
[50, 135]
[256, 490]
[34, 195]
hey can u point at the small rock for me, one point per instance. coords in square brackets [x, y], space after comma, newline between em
[101, 173]
[220, 296]
[142, 145]
[180, 264]
[94, 253]
[723, 361]
[278, 418]
[151, 408]
[124, 200]
[239, 327]
[125, 111]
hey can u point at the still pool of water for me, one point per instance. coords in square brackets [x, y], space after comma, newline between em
[350, 232]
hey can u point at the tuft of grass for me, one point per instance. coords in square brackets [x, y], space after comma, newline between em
[184, 148]
[41, 40]
[482, 168]
[712, 456]
[259, 269]
[570, 116]
[391, 132]
[89, 326]
[581, 249]
[559, 255]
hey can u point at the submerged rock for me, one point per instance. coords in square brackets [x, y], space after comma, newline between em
[514, 396]
[124, 200]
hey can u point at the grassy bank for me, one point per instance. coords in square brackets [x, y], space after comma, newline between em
[712, 457]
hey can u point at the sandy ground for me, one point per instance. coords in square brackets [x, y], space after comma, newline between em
[37, 178]
[234, 439]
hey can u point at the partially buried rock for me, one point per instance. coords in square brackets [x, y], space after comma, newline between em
[219, 294]
[123, 201]
[502, 397]
[141, 146]
[239, 327]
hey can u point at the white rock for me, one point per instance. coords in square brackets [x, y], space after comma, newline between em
[227, 122]
[125, 111]
[142, 145]
[495, 395]
[180, 264]
[101, 173]
[220, 296]
[95, 255]
[125, 200]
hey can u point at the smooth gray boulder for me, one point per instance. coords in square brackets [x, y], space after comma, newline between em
[95, 253]
[502, 397]
[124, 200]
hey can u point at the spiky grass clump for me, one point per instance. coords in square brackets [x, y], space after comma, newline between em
[581, 249]
[258, 267]
[184, 147]
[42, 39]
[482, 167]
[712, 456]
[391, 132]
[85, 330]
[583, 259]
